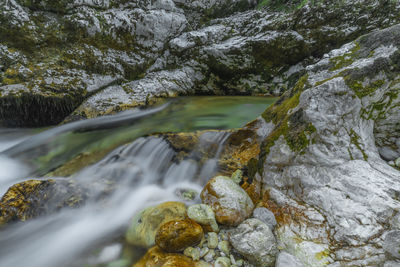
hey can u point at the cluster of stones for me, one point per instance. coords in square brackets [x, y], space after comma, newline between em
[226, 230]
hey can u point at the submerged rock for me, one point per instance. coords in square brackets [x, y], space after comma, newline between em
[144, 226]
[229, 201]
[254, 240]
[176, 236]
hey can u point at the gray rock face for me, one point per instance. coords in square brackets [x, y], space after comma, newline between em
[391, 244]
[254, 240]
[266, 216]
[322, 164]
[285, 259]
[144, 50]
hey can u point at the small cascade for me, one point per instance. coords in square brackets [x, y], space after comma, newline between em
[133, 168]
[130, 178]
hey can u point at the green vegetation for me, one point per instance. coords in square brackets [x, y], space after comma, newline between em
[292, 126]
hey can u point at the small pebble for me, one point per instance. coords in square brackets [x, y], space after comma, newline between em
[222, 262]
[224, 247]
[209, 257]
[203, 252]
[233, 261]
[237, 176]
[212, 240]
[193, 253]
[239, 263]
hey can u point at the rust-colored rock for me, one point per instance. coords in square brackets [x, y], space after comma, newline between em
[155, 257]
[230, 203]
[175, 236]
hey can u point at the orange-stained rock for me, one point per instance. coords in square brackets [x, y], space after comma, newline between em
[175, 236]
[230, 203]
[155, 257]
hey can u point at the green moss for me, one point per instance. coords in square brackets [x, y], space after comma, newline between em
[278, 112]
[345, 60]
[292, 126]
[355, 140]
[360, 90]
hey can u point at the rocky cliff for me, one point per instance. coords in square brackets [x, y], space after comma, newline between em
[80, 59]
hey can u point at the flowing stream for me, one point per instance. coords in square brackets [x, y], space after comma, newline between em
[123, 169]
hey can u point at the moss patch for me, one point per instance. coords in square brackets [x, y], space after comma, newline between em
[292, 126]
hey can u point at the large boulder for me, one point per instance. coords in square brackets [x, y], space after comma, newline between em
[323, 175]
[230, 202]
[254, 240]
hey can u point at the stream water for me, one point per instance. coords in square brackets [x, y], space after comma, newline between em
[121, 161]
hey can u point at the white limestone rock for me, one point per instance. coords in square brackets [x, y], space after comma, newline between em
[255, 241]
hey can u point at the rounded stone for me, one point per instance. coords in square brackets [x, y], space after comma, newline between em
[222, 262]
[193, 253]
[266, 216]
[156, 257]
[229, 201]
[204, 215]
[175, 236]
[254, 240]
[212, 240]
[224, 246]
[144, 225]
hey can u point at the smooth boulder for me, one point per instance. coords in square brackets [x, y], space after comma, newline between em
[231, 204]
[144, 225]
[176, 236]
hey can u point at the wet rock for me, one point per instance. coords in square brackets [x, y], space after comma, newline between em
[237, 176]
[266, 216]
[229, 201]
[144, 225]
[212, 240]
[285, 259]
[33, 198]
[175, 236]
[210, 255]
[255, 241]
[204, 215]
[391, 244]
[157, 257]
[193, 253]
[186, 194]
[223, 246]
[222, 262]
